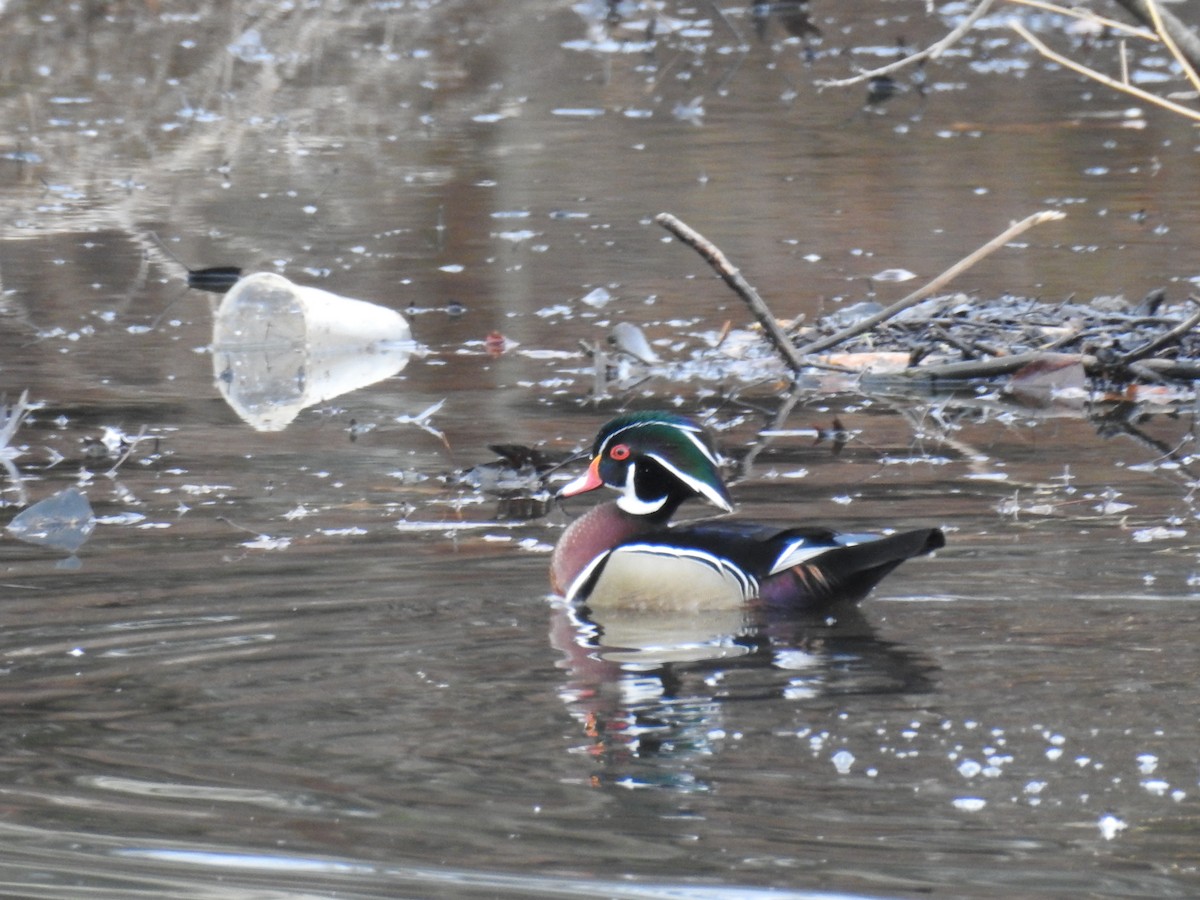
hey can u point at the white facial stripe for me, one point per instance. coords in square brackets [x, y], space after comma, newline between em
[694, 437]
[700, 487]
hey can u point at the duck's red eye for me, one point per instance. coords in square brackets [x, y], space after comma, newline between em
[619, 452]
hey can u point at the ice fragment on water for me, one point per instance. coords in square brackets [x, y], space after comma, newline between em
[516, 237]
[970, 804]
[63, 521]
[578, 112]
[1110, 826]
[1157, 533]
[1156, 786]
[894, 275]
[842, 761]
[690, 112]
[266, 542]
[126, 518]
[597, 297]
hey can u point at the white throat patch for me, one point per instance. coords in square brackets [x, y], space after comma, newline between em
[631, 502]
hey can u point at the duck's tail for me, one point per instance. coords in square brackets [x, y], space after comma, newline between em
[845, 574]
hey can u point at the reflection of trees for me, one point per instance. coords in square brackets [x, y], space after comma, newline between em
[200, 109]
[651, 713]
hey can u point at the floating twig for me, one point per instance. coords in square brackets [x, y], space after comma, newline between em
[933, 51]
[1087, 15]
[864, 325]
[130, 447]
[733, 277]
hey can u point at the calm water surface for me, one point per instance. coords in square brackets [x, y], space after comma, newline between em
[312, 662]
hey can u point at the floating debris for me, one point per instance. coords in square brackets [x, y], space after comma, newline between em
[11, 419]
[626, 337]
[280, 347]
[690, 112]
[597, 297]
[1061, 351]
[63, 521]
[215, 279]
[423, 420]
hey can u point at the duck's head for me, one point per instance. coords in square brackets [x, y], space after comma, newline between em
[656, 460]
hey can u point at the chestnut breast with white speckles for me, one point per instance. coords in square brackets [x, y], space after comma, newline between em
[591, 535]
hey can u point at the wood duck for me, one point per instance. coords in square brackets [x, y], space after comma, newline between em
[626, 554]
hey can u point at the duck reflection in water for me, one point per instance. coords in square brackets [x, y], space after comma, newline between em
[656, 694]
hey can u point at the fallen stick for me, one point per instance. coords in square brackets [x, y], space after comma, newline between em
[970, 369]
[1186, 369]
[1139, 353]
[864, 325]
[715, 258]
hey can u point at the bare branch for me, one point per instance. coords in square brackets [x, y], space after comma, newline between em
[933, 51]
[1145, 12]
[1068, 63]
[864, 325]
[1088, 15]
[1164, 33]
[715, 258]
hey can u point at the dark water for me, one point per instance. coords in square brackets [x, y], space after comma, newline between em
[294, 663]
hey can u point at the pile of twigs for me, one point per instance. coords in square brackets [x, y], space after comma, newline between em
[953, 338]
